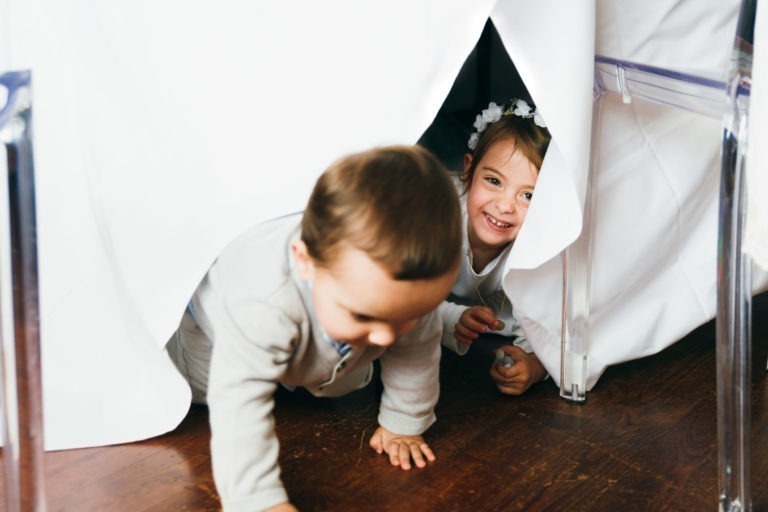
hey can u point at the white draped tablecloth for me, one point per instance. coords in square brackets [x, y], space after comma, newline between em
[756, 231]
[162, 129]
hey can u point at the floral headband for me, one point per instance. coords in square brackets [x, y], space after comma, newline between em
[495, 112]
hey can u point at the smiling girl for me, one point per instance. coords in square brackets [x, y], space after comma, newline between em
[497, 187]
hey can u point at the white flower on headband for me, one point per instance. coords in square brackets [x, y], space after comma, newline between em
[473, 140]
[494, 112]
[521, 108]
[490, 115]
[480, 123]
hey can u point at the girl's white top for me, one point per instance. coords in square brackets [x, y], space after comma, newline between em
[478, 289]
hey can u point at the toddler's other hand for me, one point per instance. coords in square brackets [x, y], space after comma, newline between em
[401, 448]
[475, 321]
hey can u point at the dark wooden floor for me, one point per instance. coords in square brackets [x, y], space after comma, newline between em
[644, 440]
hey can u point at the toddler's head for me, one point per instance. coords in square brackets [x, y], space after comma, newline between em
[500, 174]
[380, 242]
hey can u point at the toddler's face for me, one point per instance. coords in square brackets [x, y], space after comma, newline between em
[358, 302]
[499, 196]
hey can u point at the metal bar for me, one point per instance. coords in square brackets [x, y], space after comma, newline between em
[23, 456]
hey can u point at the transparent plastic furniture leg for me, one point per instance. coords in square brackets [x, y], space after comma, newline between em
[19, 312]
[734, 284]
[577, 271]
[709, 97]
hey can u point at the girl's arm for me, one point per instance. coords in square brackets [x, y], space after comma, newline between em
[450, 314]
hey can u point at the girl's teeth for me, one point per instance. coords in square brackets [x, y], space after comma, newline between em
[497, 223]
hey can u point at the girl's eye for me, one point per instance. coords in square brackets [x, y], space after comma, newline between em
[527, 195]
[493, 181]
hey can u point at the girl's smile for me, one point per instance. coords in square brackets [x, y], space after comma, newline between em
[496, 223]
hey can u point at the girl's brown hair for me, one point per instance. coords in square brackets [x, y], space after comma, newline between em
[530, 139]
[396, 203]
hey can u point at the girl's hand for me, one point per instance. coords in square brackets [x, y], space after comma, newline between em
[516, 379]
[475, 321]
[402, 448]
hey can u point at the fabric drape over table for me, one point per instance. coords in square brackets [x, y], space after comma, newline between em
[164, 129]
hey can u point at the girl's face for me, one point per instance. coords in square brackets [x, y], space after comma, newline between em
[357, 301]
[499, 195]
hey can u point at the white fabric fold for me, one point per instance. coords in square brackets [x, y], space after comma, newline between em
[756, 230]
[539, 52]
[655, 236]
[164, 129]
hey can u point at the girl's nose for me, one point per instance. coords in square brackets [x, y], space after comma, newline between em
[506, 203]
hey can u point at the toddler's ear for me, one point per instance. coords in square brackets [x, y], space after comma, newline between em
[304, 264]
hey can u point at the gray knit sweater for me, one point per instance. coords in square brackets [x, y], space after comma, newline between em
[253, 327]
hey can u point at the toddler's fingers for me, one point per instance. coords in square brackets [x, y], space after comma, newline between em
[400, 455]
[427, 451]
[416, 455]
[394, 453]
[375, 442]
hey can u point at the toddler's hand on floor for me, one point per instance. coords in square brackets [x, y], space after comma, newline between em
[516, 379]
[402, 448]
[475, 321]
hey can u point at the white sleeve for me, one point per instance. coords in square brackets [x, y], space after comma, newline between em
[449, 314]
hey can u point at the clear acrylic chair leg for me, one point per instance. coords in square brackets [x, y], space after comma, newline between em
[19, 306]
[734, 307]
[734, 284]
[577, 271]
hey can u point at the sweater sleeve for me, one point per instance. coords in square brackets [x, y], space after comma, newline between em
[249, 357]
[449, 314]
[410, 370]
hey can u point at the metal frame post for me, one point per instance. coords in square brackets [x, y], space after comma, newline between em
[23, 455]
